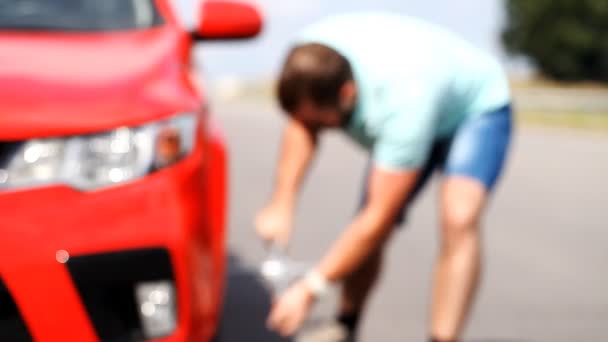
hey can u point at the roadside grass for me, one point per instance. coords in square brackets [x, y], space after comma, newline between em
[597, 122]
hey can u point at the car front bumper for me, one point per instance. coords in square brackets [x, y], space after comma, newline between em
[69, 259]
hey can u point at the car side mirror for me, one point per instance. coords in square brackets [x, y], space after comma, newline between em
[227, 20]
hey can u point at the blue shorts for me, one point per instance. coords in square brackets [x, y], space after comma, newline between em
[477, 150]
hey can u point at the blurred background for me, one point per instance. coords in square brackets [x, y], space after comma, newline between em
[546, 230]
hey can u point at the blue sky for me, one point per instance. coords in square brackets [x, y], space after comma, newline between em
[479, 21]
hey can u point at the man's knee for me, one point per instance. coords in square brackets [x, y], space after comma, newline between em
[460, 225]
[460, 219]
[461, 213]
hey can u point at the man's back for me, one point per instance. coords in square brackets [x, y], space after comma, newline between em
[406, 66]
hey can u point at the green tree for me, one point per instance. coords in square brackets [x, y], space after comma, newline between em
[566, 39]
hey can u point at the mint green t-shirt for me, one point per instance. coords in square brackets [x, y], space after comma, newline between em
[416, 82]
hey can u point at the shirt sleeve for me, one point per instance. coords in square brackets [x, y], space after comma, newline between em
[406, 139]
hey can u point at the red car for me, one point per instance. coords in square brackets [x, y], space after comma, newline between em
[112, 176]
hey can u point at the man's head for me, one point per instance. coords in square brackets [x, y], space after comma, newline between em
[316, 86]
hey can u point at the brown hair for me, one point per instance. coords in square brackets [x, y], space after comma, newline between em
[312, 72]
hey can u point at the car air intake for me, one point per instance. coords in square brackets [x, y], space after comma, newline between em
[12, 326]
[107, 285]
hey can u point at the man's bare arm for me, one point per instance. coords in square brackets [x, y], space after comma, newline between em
[297, 151]
[274, 222]
[387, 191]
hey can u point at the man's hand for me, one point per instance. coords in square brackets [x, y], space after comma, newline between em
[273, 224]
[291, 310]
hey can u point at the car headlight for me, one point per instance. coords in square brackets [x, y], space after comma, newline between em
[98, 160]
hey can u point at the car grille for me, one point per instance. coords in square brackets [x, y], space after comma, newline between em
[12, 326]
[106, 284]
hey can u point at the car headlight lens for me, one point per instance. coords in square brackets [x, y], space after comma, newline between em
[110, 158]
[93, 161]
[38, 160]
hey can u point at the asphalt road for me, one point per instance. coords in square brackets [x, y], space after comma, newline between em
[546, 234]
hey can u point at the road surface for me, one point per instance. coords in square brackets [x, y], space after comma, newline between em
[546, 235]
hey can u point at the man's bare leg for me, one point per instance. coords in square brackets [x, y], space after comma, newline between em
[356, 290]
[458, 266]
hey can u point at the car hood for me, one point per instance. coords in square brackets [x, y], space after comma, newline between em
[54, 84]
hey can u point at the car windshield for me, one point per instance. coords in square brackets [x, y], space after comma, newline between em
[77, 15]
